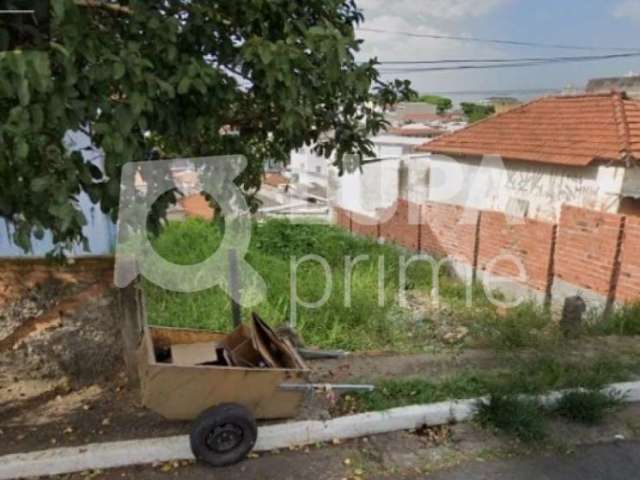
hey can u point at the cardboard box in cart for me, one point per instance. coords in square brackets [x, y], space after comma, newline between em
[184, 392]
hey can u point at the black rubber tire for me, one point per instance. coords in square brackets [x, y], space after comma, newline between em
[235, 418]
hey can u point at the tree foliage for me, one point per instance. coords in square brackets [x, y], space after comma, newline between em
[177, 75]
[443, 103]
[476, 112]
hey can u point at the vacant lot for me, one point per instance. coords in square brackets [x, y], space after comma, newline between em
[60, 349]
[364, 325]
[426, 322]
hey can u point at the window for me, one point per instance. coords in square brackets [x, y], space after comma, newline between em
[630, 206]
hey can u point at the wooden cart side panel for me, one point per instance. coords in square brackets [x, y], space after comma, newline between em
[146, 358]
[182, 393]
[165, 337]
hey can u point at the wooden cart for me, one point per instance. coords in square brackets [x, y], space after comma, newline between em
[225, 401]
[224, 398]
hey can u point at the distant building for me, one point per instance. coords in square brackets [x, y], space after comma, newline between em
[410, 112]
[308, 168]
[503, 104]
[579, 150]
[630, 85]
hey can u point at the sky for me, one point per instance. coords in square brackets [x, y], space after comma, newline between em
[599, 23]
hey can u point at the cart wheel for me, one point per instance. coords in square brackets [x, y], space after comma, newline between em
[223, 435]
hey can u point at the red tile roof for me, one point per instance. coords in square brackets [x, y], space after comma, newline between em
[197, 206]
[565, 130]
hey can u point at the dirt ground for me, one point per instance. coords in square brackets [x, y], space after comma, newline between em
[62, 380]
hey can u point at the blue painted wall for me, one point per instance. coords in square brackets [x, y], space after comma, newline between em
[100, 230]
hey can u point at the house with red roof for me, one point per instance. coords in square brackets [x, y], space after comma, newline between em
[581, 150]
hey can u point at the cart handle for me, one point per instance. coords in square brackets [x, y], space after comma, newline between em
[326, 387]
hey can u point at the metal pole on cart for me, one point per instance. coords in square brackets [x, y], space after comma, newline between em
[234, 287]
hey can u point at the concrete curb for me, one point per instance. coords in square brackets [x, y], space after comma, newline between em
[135, 452]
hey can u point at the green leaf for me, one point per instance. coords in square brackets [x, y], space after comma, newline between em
[118, 70]
[22, 149]
[23, 92]
[266, 55]
[118, 144]
[137, 103]
[57, 47]
[58, 7]
[40, 184]
[183, 86]
[41, 65]
[37, 117]
[124, 120]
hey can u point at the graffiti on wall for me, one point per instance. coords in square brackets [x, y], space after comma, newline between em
[554, 184]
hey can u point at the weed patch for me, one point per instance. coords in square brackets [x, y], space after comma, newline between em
[525, 377]
[526, 326]
[544, 373]
[404, 392]
[513, 415]
[624, 321]
[586, 407]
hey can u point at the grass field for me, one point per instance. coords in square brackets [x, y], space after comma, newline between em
[362, 326]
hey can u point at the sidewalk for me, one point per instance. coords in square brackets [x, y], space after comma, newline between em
[609, 461]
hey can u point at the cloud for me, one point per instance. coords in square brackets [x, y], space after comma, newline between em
[437, 9]
[628, 9]
[437, 17]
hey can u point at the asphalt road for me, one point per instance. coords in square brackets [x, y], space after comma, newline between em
[611, 461]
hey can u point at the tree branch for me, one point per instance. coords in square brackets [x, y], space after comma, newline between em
[113, 7]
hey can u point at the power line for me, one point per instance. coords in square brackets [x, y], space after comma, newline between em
[517, 64]
[513, 91]
[497, 41]
[507, 60]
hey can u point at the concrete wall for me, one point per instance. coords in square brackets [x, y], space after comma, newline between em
[523, 189]
[542, 188]
[310, 167]
[375, 186]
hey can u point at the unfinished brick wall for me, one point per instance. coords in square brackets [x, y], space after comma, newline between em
[343, 218]
[529, 241]
[628, 282]
[587, 248]
[449, 230]
[397, 227]
[365, 226]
